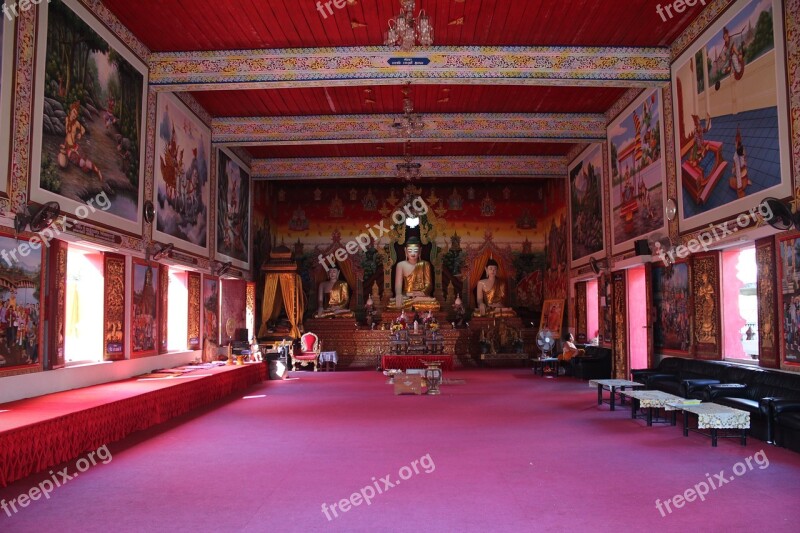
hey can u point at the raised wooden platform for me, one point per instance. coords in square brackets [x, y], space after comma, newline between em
[362, 348]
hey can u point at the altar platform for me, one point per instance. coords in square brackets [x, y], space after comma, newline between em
[39, 433]
[362, 348]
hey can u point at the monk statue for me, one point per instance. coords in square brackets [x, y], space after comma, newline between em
[492, 294]
[413, 280]
[333, 297]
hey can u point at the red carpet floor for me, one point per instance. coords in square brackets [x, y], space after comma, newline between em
[503, 451]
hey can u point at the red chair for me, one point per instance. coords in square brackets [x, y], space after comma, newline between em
[308, 351]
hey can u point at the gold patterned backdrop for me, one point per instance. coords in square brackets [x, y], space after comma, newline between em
[620, 325]
[58, 302]
[580, 311]
[706, 289]
[163, 295]
[193, 330]
[767, 302]
[114, 345]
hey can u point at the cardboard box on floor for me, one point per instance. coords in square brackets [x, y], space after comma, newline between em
[408, 384]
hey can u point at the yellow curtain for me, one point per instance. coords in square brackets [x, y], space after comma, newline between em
[268, 304]
[347, 270]
[293, 301]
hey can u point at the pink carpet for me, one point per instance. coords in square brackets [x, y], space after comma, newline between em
[504, 451]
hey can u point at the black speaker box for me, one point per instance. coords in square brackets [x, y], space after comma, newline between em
[642, 247]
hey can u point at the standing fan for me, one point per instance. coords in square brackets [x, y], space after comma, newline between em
[37, 220]
[545, 342]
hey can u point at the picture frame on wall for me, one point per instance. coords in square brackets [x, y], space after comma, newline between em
[233, 210]
[788, 259]
[88, 138]
[672, 328]
[731, 121]
[7, 28]
[144, 309]
[21, 306]
[586, 206]
[638, 172]
[182, 176]
[211, 307]
[552, 316]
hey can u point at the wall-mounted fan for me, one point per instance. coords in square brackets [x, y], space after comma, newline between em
[218, 268]
[38, 219]
[157, 251]
[782, 217]
[545, 341]
[596, 265]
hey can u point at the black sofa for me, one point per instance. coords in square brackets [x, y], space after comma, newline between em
[762, 393]
[595, 363]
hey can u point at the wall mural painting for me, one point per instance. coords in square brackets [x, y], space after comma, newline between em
[20, 310]
[789, 282]
[88, 141]
[730, 115]
[552, 316]
[6, 79]
[586, 207]
[144, 327]
[211, 328]
[636, 155]
[183, 151]
[672, 328]
[233, 221]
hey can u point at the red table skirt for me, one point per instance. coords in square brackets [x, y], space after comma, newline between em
[404, 362]
[31, 448]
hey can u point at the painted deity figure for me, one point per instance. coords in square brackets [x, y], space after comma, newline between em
[413, 280]
[70, 150]
[333, 297]
[492, 294]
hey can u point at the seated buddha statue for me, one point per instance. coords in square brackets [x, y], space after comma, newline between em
[413, 281]
[333, 297]
[492, 294]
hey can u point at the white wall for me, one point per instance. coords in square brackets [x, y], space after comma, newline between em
[39, 383]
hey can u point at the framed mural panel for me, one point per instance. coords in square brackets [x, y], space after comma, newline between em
[672, 330]
[6, 78]
[586, 206]
[731, 123]
[183, 155]
[638, 171]
[144, 307]
[233, 210]
[552, 316]
[211, 329]
[21, 278]
[788, 259]
[88, 135]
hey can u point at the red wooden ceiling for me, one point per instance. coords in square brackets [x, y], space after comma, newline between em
[417, 149]
[426, 98]
[175, 25]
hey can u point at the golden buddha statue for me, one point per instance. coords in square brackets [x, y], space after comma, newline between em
[492, 294]
[413, 281]
[333, 297]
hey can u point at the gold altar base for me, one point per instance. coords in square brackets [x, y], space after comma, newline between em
[361, 348]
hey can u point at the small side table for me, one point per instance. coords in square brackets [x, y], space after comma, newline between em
[328, 360]
[540, 363]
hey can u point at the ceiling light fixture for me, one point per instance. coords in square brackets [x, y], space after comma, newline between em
[406, 31]
[410, 123]
[408, 170]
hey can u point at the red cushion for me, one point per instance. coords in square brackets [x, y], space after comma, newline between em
[308, 343]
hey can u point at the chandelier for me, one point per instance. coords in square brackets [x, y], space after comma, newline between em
[408, 170]
[406, 32]
[410, 123]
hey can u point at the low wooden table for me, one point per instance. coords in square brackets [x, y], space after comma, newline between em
[612, 385]
[404, 362]
[652, 400]
[713, 416]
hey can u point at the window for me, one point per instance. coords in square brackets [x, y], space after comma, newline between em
[178, 311]
[83, 341]
[739, 304]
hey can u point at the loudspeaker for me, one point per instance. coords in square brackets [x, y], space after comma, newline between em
[642, 247]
